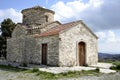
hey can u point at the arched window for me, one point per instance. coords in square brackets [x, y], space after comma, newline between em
[24, 16]
[46, 18]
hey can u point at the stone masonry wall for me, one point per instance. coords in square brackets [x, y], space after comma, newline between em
[68, 46]
[15, 45]
[23, 50]
[32, 54]
[37, 29]
[49, 26]
[19, 31]
[15, 50]
[34, 16]
[53, 48]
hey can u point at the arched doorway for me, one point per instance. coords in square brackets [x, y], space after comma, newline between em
[81, 53]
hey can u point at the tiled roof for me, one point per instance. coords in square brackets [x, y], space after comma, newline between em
[57, 29]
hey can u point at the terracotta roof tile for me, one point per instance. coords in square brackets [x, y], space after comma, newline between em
[57, 29]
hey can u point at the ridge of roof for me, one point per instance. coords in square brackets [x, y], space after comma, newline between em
[39, 26]
[89, 29]
[20, 24]
[57, 29]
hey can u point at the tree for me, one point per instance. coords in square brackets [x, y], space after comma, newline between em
[7, 27]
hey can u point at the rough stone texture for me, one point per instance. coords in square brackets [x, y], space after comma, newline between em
[37, 29]
[50, 25]
[62, 49]
[53, 48]
[14, 52]
[68, 46]
[19, 31]
[27, 49]
[20, 47]
[37, 15]
[24, 50]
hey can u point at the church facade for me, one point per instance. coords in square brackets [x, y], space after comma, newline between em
[41, 40]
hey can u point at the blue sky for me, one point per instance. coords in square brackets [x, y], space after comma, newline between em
[102, 16]
[21, 4]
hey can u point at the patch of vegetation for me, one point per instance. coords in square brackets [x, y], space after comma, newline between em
[97, 69]
[107, 61]
[35, 70]
[47, 75]
[11, 68]
[116, 63]
[90, 72]
[116, 66]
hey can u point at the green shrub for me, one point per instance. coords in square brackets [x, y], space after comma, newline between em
[116, 65]
[113, 67]
[35, 70]
[97, 69]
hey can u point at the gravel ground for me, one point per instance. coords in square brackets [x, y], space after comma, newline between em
[12, 75]
[115, 76]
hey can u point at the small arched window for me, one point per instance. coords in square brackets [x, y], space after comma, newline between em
[24, 16]
[46, 18]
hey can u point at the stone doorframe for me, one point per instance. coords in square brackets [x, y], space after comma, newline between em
[77, 52]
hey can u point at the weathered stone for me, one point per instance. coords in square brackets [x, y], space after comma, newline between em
[37, 15]
[68, 46]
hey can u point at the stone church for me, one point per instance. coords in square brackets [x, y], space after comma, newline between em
[41, 40]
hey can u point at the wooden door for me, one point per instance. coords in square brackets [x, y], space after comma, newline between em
[44, 54]
[81, 53]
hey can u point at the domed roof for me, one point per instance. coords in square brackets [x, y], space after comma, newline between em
[37, 8]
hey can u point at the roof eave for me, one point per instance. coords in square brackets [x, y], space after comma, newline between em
[89, 29]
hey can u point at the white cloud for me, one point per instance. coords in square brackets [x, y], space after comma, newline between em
[1, 13]
[113, 47]
[11, 13]
[109, 41]
[111, 36]
[101, 35]
[74, 9]
[96, 3]
[98, 14]
[63, 12]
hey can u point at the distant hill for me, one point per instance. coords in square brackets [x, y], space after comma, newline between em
[106, 56]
